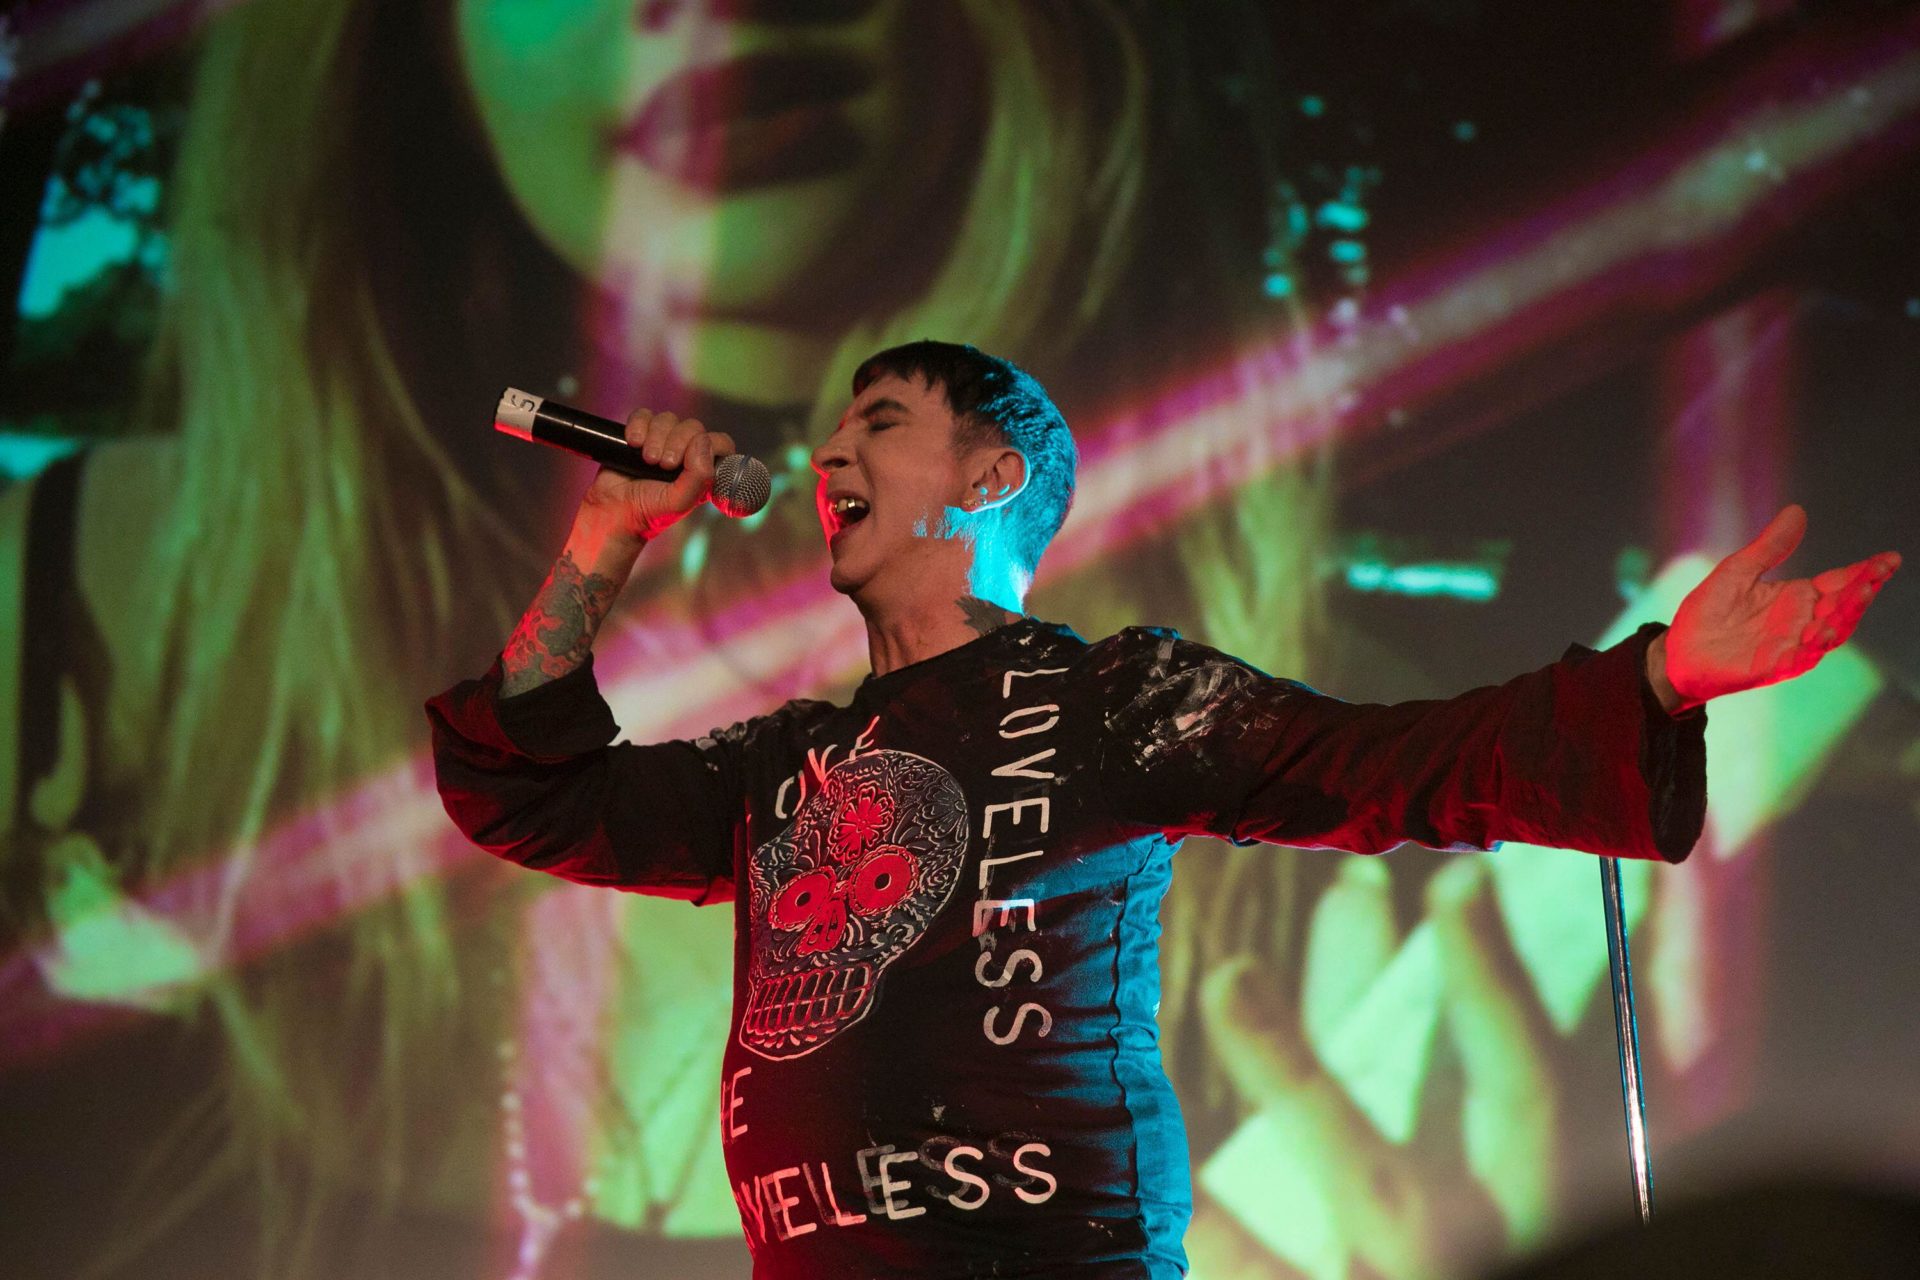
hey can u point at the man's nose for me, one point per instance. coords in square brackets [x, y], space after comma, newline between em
[830, 455]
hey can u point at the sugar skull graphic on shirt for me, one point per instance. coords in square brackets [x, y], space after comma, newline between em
[839, 895]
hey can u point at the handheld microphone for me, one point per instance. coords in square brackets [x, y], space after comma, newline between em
[741, 484]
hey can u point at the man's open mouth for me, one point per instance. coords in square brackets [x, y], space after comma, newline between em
[847, 511]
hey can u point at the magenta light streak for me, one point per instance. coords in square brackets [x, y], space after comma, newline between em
[1728, 411]
[1701, 26]
[63, 45]
[377, 839]
[1728, 405]
[1668, 229]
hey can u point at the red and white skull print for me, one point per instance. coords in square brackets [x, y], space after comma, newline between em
[839, 895]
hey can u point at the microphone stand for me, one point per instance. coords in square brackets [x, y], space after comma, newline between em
[1627, 1035]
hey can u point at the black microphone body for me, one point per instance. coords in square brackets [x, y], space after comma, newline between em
[741, 485]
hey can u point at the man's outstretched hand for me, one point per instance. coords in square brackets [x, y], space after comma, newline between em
[1735, 632]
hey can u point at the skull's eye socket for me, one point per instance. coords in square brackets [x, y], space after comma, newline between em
[800, 901]
[881, 881]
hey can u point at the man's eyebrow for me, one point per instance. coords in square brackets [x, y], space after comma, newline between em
[880, 406]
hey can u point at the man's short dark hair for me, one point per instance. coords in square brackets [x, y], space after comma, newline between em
[995, 402]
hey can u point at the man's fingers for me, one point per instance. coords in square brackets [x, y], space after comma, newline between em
[689, 438]
[1844, 595]
[1774, 543]
[1836, 580]
[691, 486]
[673, 448]
[659, 432]
[667, 440]
[637, 422]
[679, 443]
[1838, 614]
[1872, 571]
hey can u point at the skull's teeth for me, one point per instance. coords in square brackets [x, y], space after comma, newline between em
[805, 1005]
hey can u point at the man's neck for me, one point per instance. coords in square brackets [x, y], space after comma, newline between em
[895, 640]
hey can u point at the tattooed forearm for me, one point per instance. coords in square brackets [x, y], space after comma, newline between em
[984, 615]
[557, 630]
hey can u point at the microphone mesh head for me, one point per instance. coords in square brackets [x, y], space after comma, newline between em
[741, 485]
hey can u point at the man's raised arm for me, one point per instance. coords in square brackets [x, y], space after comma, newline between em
[1578, 754]
[522, 755]
[617, 517]
[1603, 752]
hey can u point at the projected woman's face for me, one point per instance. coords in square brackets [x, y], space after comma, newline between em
[777, 163]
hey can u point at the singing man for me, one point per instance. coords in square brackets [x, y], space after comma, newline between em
[942, 1059]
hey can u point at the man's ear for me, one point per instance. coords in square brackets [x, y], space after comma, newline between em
[1002, 479]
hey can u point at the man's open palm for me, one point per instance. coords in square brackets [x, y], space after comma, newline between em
[1735, 632]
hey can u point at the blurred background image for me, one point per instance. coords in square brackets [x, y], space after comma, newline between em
[1405, 343]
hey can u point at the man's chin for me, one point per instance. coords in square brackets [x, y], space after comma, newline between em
[844, 580]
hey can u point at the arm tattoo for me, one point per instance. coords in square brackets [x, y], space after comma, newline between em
[557, 630]
[984, 615]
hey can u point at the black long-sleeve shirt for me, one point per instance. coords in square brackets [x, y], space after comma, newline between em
[943, 1058]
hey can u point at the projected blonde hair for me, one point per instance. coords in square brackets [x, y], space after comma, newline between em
[324, 549]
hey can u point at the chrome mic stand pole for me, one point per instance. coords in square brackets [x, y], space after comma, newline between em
[1627, 1035]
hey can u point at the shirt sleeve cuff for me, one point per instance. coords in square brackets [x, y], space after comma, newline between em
[1673, 757]
[557, 719]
